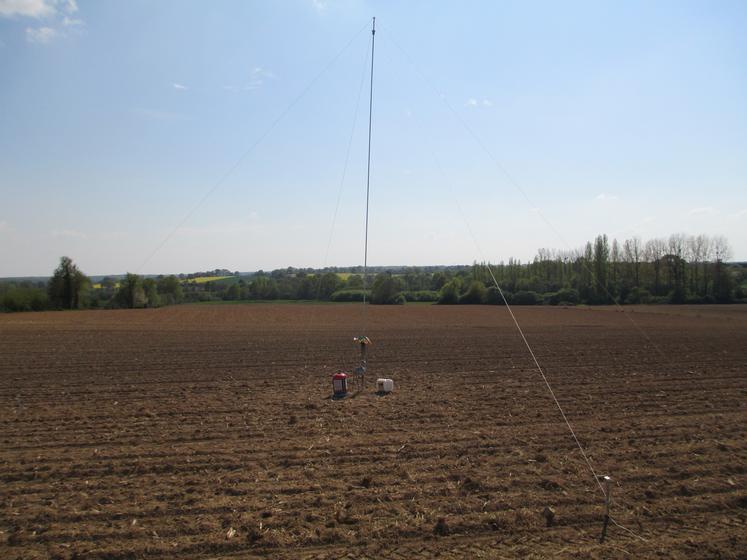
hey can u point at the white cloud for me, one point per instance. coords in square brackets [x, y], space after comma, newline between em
[473, 102]
[607, 196]
[27, 8]
[69, 233]
[179, 86]
[258, 70]
[71, 22]
[741, 213]
[702, 211]
[5, 227]
[39, 9]
[58, 16]
[41, 35]
[257, 78]
[319, 5]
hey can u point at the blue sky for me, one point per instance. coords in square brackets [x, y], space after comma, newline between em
[117, 118]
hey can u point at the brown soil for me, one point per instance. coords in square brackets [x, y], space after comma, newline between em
[208, 431]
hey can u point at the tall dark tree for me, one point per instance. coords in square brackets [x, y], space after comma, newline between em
[170, 289]
[655, 249]
[723, 282]
[601, 264]
[305, 287]
[150, 289]
[677, 267]
[450, 292]
[354, 282]
[131, 293]
[476, 293]
[386, 289]
[67, 286]
[329, 283]
[263, 287]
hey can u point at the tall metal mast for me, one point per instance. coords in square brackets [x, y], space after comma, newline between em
[362, 339]
[368, 173]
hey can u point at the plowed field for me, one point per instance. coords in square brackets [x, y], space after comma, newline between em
[208, 432]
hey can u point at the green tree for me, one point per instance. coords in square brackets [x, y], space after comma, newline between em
[525, 297]
[305, 287]
[233, 292]
[723, 283]
[170, 289]
[22, 298]
[677, 267]
[68, 286]
[585, 274]
[131, 293]
[329, 283]
[150, 289]
[354, 282]
[655, 249]
[386, 289]
[476, 293]
[493, 296]
[263, 287]
[450, 292]
[601, 264]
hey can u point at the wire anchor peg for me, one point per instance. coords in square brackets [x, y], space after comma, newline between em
[607, 499]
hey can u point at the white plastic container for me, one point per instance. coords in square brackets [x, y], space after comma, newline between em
[384, 385]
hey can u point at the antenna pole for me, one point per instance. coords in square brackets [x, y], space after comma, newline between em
[368, 175]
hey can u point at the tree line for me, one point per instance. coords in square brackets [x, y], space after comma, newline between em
[69, 288]
[677, 269]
